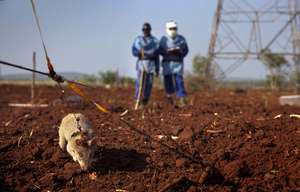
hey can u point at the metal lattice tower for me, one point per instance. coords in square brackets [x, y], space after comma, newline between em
[243, 28]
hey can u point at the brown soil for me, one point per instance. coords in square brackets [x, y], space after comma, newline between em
[227, 141]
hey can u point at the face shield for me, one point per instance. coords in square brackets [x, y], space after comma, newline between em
[171, 29]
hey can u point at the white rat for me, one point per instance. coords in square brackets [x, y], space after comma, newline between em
[76, 136]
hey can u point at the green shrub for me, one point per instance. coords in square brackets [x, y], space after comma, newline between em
[108, 77]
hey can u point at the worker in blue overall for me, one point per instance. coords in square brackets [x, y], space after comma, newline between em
[145, 48]
[173, 49]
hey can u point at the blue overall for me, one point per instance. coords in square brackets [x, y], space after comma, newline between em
[148, 64]
[173, 64]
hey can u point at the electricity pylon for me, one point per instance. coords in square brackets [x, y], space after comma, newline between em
[243, 28]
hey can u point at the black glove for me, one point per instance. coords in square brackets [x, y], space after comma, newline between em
[175, 51]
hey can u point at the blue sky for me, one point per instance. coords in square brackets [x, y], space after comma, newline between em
[96, 35]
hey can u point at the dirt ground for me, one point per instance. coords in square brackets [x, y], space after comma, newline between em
[224, 140]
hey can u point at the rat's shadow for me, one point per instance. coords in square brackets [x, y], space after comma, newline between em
[111, 159]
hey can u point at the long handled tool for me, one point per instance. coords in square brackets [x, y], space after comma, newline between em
[140, 91]
[141, 84]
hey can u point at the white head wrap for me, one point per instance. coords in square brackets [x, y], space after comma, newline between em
[169, 25]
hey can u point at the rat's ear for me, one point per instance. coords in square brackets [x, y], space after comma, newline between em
[78, 142]
[92, 141]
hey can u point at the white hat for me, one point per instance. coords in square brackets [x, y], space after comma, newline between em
[171, 24]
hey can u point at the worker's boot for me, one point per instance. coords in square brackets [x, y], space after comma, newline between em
[170, 100]
[143, 104]
[182, 102]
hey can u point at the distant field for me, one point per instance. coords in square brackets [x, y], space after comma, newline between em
[26, 82]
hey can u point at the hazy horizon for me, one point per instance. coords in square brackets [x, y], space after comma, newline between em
[97, 36]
